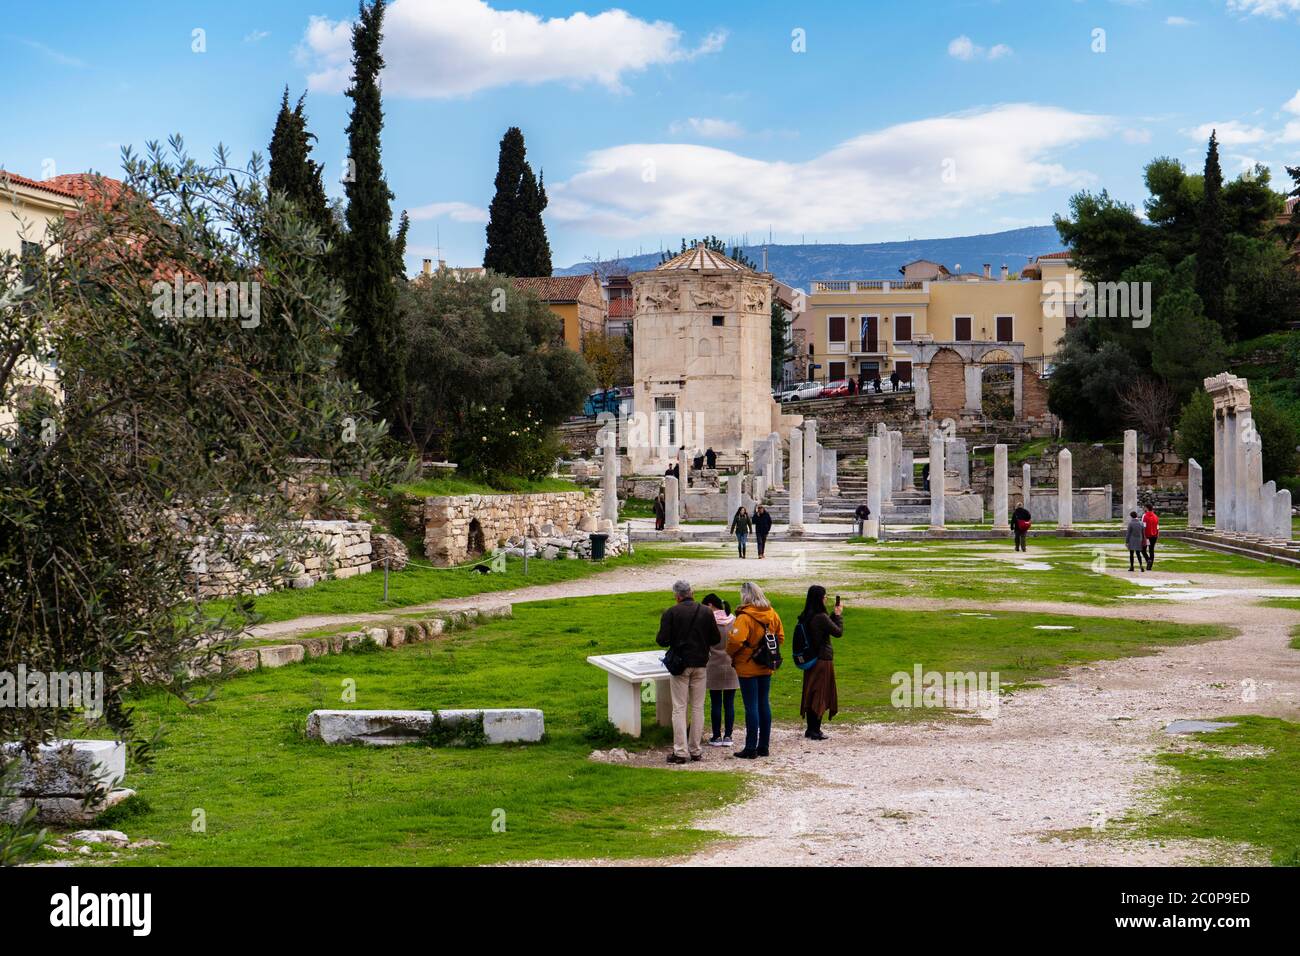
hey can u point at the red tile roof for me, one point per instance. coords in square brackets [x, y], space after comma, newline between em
[621, 308]
[1066, 254]
[553, 288]
[48, 186]
[88, 186]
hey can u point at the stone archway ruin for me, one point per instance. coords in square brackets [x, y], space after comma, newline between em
[948, 377]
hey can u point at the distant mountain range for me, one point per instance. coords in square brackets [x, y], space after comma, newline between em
[798, 266]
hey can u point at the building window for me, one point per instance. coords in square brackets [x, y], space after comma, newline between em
[904, 370]
[961, 328]
[902, 328]
[1006, 328]
[836, 371]
[835, 333]
[869, 330]
[719, 320]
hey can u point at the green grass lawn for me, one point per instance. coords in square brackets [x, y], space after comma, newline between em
[272, 797]
[471, 485]
[364, 593]
[1223, 793]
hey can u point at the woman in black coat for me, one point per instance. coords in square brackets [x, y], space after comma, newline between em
[819, 691]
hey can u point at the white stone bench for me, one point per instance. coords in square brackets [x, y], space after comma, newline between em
[381, 728]
[624, 675]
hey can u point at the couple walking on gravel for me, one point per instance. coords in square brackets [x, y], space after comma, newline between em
[709, 648]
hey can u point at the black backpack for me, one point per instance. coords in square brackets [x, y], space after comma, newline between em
[805, 655]
[767, 653]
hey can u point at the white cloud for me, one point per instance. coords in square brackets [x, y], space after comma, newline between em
[1293, 104]
[455, 211]
[57, 56]
[707, 128]
[457, 47]
[1231, 133]
[257, 36]
[1264, 8]
[903, 173]
[964, 48]
[1179, 22]
[1137, 135]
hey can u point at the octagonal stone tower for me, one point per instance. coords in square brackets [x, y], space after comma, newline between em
[702, 358]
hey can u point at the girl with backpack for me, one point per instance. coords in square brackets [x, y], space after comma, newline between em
[813, 655]
[754, 647]
[720, 680]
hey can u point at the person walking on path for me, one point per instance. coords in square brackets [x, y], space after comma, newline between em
[688, 630]
[762, 528]
[1020, 522]
[1135, 541]
[710, 459]
[721, 680]
[819, 693]
[1151, 531]
[756, 621]
[740, 527]
[893, 380]
[661, 511]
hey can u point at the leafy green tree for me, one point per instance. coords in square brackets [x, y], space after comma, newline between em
[782, 349]
[1263, 290]
[484, 353]
[375, 354]
[1212, 244]
[1186, 346]
[516, 235]
[178, 420]
[1106, 235]
[1277, 432]
[1085, 389]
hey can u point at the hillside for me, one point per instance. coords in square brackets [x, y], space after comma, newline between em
[799, 265]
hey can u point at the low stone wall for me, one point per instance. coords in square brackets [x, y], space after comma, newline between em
[460, 527]
[343, 550]
[1088, 504]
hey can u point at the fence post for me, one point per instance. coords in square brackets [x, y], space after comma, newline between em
[385, 579]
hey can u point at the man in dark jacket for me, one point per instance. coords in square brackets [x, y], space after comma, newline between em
[1020, 519]
[893, 380]
[711, 459]
[689, 629]
[762, 527]
[660, 509]
[861, 513]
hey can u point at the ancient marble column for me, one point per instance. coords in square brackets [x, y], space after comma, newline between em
[1282, 514]
[958, 459]
[1130, 492]
[1065, 490]
[874, 476]
[1195, 502]
[1000, 488]
[1231, 447]
[684, 466]
[609, 478]
[1220, 482]
[1265, 505]
[1025, 482]
[760, 488]
[810, 459]
[909, 471]
[896, 461]
[671, 519]
[937, 484]
[794, 487]
[733, 494]
[830, 470]
[776, 476]
[886, 465]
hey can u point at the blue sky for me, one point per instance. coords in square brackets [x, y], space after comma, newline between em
[657, 120]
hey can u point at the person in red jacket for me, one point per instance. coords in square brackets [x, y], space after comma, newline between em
[1151, 531]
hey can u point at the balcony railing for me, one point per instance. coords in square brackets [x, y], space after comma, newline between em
[848, 286]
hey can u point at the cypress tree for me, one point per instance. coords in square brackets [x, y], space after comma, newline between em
[293, 171]
[375, 355]
[1212, 246]
[516, 235]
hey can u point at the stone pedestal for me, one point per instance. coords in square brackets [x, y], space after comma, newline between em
[672, 504]
[810, 460]
[937, 482]
[958, 461]
[1000, 522]
[1064, 490]
[1129, 492]
[794, 487]
[1195, 497]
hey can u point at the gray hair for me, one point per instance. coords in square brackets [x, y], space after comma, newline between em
[682, 589]
[752, 595]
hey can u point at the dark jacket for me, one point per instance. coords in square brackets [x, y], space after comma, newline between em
[820, 630]
[740, 524]
[660, 507]
[1020, 514]
[763, 522]
[862, 512]
[1134, 535]
[691, 629]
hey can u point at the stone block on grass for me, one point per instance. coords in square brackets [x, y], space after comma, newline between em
[278, 655]
[68, 768]
[379, 728]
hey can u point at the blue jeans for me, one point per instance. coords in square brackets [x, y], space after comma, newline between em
[741, 538]
[755, 691]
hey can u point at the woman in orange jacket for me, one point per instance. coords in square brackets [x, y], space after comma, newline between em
[754, 618]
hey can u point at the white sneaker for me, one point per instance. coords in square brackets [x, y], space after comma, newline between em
[718, 742]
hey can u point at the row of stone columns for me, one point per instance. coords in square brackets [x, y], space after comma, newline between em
[1244, 504]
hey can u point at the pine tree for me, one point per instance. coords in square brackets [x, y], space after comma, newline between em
[1212, 246]
[516, 234]
[293, 171]
[375, 355]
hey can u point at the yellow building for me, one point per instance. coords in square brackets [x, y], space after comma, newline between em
[577, 300]
[855, 327]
